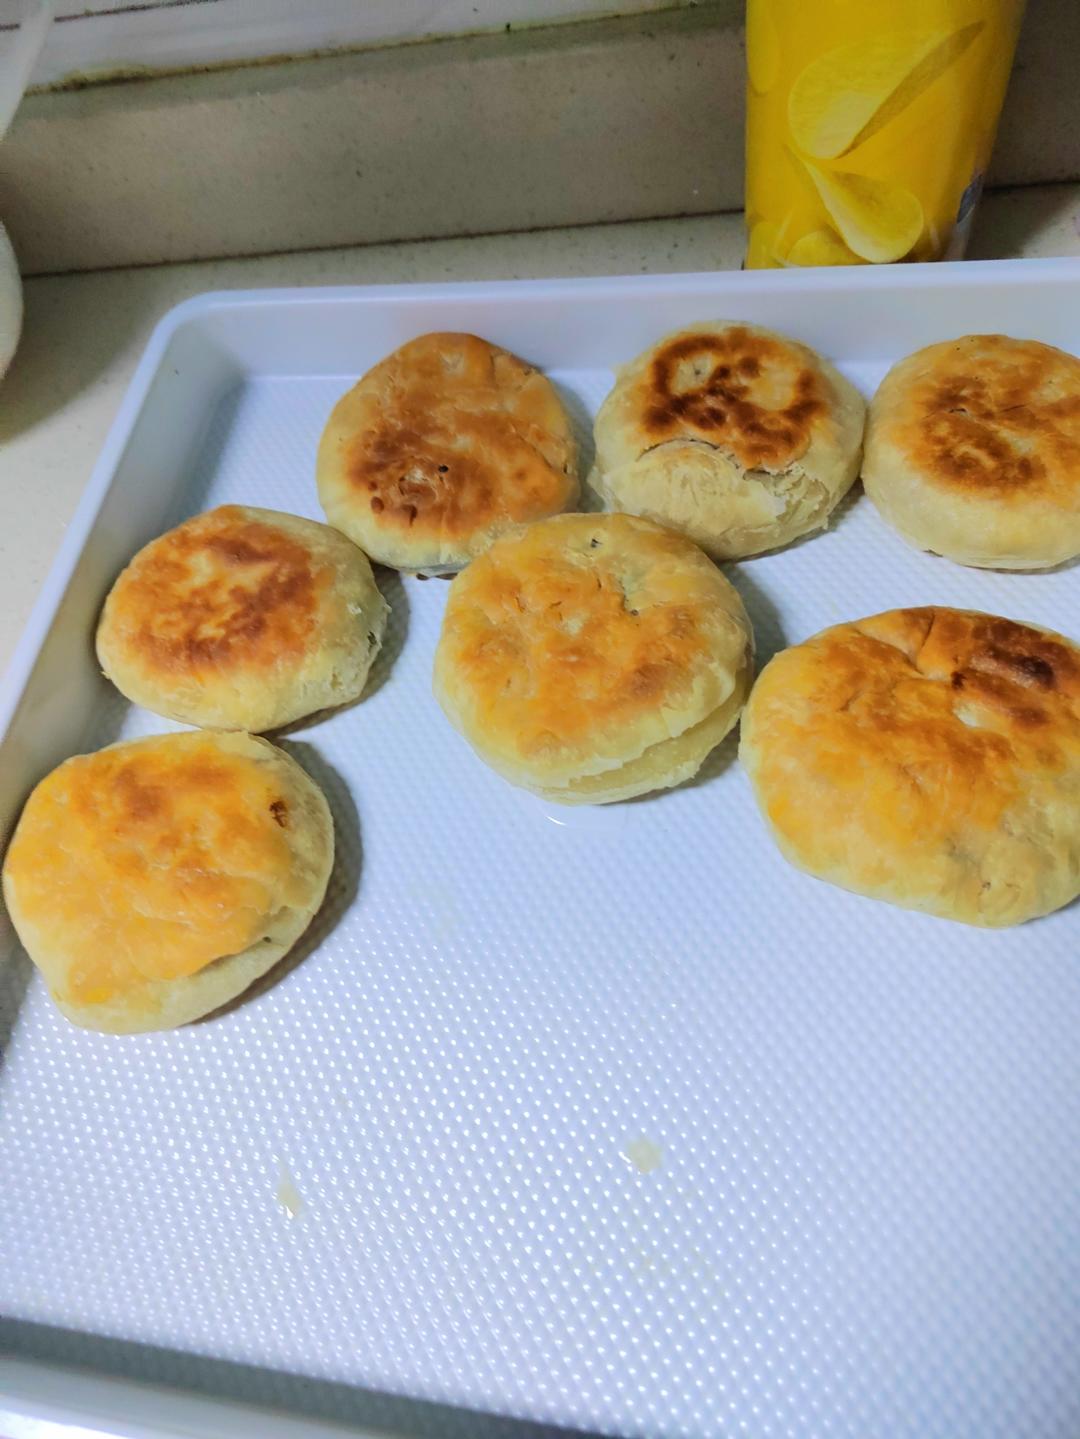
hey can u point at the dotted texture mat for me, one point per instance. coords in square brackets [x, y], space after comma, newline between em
[606, 1118]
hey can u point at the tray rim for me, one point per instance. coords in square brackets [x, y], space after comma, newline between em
[39, 1400]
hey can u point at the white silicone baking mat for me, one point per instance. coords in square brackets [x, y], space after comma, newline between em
[603, 1118]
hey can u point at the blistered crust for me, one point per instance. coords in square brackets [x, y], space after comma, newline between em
[155, 879]
[973, 451]
[929, 757]
[739, 438]
[444, 445]
[575, 648]
[243, 618]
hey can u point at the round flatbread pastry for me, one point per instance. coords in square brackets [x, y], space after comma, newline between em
[157, 879]
[591, 658]
[927, 757]
[737, 437]
[973, 451]
[243, 619]
[445, 445]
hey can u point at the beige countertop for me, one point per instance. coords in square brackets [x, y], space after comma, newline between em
[84, 333]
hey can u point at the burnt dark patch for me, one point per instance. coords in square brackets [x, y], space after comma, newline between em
[1030, 669]
[719, 404]
[1039, 671]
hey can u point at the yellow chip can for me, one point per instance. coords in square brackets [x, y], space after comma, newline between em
[870, 126]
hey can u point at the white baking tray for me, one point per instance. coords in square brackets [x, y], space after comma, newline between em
[601, 1118]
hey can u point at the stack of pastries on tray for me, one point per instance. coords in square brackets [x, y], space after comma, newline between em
[926, 756]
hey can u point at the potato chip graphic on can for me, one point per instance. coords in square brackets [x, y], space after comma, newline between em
[869, 127]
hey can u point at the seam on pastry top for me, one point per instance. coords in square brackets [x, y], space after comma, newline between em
[530, 444]
[856, 694]
[917, 657]
[992, 665]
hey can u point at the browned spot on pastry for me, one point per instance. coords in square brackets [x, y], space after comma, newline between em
[1025, 669]
[280, 810]
[407, 469]
[135, 798]
[150, 860]
[745, 391]
[222, 589]
[953, 775]
[1015, 672]
[559, 637]
[450, 435]
[996, 415]
[648, 679]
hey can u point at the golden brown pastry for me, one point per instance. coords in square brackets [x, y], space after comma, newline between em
[155, 880]
[736, 436]
[442, 447]
[973, 451]
[928, 757]
[243, 619]
[591, 658]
